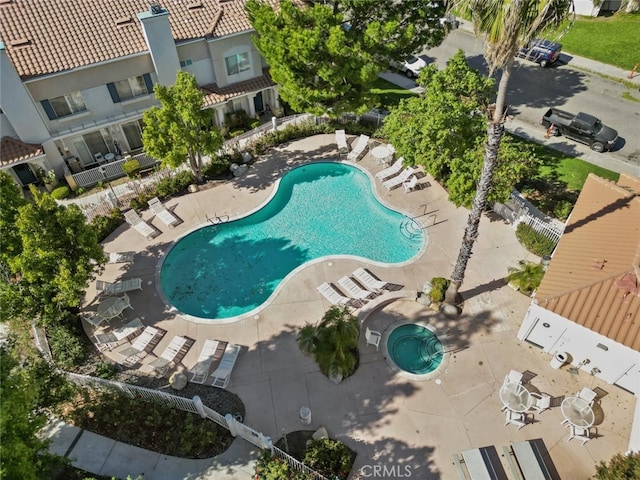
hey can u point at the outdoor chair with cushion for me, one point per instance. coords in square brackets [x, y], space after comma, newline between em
[179, 345]
[222, 374]
[160, 211]
[361, 144]
[116, 288]
[211, 351]
[133, 219]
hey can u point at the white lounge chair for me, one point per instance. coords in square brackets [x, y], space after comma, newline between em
[210, 351]
[108, 340]
[372, 283]
[133, 219]
[335, 297]
[361, 144]
[138, 349]
[114, 309]
[222, 374]
[121, 257]
[354, 290]
[410, 184]
[372, 337]
[116, 288]
[93, 318]
[341, 142]
[168, 356]
[391, 171]
[160, 211]
[399, 180]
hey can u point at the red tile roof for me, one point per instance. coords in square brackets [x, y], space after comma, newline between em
[49, 36]
[594, 276]
[13, 151]
[214, 94]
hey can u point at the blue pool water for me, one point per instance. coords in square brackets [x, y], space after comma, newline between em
[414, 349]
[320, 209]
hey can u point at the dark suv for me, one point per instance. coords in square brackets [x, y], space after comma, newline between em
[543, 52]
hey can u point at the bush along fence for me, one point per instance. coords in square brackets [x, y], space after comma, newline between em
[519, 210]
[195, 405]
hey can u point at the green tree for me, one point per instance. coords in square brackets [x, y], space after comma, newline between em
[620, 467]
[326, 57]
[52, 262]
[10, 201]
[441, 131]
[504, 25]
[333, 342]
[526, 277]
[22, 396]
[180, 129]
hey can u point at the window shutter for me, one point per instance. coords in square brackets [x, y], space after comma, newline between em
[46, 104]
[148, 83]
[113, 92]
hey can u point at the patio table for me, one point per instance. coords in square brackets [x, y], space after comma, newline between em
[381, 153]
[515, 397]
[577, 412]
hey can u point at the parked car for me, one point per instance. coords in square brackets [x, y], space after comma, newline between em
[582, 127]
[411, 66]
[449, 22]
[543, 52]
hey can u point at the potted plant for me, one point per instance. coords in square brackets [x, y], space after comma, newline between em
[49, 179]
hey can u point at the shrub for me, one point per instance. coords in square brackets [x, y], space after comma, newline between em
[173, 185]
[331, 458]
[61, 192]
[439, 287]
[533, 241]
[526, 277]
[269, 467]
[105, 370]
[105, 225]
[216, 168]
[562, 209]
[66, 347]
[131, 167]
[236, 133]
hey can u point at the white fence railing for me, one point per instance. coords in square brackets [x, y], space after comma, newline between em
[109, 171]
[195, 405]
[546, 229]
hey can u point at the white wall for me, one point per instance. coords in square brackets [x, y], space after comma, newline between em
[617, 364]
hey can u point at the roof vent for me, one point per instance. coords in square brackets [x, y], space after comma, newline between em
[156, 9]
[121, 22]
[195, 6]
[6, 2]
[20, 42]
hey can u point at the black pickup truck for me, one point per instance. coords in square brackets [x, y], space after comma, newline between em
[582, 127]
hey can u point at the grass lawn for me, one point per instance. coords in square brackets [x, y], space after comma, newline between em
[389, 93]
[612, 40]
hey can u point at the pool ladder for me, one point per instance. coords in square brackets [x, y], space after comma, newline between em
[216, 220]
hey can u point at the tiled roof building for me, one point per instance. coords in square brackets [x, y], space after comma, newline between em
[77, 75]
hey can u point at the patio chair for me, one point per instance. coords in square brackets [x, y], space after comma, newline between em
[372, 337]
[179, 345]
[515, 418]
[133, 219]
[355, 290]
[336, 297]
[368, 280]
[361, 144]
[588, 395]
[93, 318]
[410, 184]
[222, 374]
[116, 288]
[209, 353]
[341, 142]
[160, 211]
[109, 340]
[513, 377]
[121, 257]
[581, 433]
[138, 349]
[391, 171]
[399, 180]
[541, 401]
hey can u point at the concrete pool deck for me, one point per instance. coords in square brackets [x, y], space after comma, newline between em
[390, 421]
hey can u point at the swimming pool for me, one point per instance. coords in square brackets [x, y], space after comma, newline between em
[320, 209]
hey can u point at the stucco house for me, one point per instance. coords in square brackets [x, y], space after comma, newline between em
[587, 307]
[76, 77]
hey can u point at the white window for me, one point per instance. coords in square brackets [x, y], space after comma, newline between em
[68, 104]
[237, 63]
[131, 88]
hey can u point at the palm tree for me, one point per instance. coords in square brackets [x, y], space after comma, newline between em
[526, 277]
[505, 25]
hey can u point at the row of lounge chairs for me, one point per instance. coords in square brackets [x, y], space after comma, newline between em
[394, 176]
[362, 288]
[358, 149]
[160, 211]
